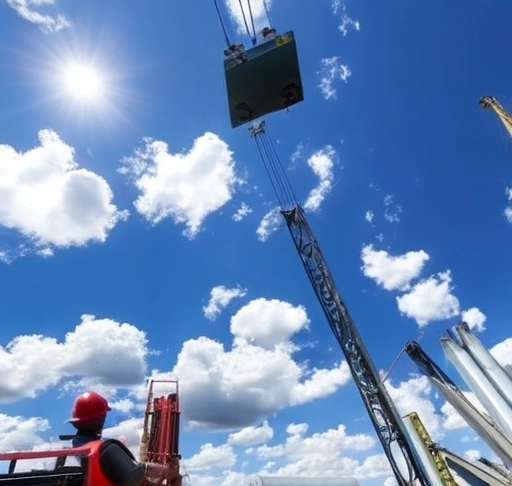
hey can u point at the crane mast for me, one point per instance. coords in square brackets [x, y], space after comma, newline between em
[385, 418]
[490, 102]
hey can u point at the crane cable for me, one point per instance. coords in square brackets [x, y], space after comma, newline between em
[253, 35]
[224, 31]
[266, 13]
[275, 170]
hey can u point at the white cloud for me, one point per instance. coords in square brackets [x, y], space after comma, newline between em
[251, 435]
[430, 300]
[502, 352]
[474, 318]
[220, 297]
[321, 163]
[347, 23]
[21, 433]
[373, 467]
[413, 395]
[268, 323]
[212, 457]
[50, 200]
[320, 454]
[369, 216]
[242, 212]
[392, 272]
[238, 387]
[269, 224]
[185, 186]
[451, 417]
[30, 10]
[99, 352]
[332, 70]
[128, 431]
[322, 382]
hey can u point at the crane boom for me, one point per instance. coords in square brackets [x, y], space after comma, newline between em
[492, 103]
[387, 422]
[382, 412]
[441, 468]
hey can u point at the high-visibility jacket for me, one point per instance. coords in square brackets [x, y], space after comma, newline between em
[110, 463]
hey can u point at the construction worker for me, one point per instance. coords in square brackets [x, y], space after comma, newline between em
[88, 417]
[110, 462]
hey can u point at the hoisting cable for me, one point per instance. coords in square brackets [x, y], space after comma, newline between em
[266, 13]
[226, 38]
[274, 168]
[252, 37]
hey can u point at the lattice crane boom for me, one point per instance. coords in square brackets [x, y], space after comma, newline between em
[387, 422]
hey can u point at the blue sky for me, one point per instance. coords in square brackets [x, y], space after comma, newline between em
[132, 235]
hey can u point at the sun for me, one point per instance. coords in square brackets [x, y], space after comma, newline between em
[83, 81]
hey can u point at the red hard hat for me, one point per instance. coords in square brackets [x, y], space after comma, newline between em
[88, 406]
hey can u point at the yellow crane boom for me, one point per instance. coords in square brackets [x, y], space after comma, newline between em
[492, 103]
[441, 468]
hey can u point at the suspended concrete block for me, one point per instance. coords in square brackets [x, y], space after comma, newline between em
[263, 79]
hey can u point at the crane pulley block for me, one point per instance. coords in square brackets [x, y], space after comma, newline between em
[263, 79]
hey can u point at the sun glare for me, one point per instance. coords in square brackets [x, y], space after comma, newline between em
[83, 81]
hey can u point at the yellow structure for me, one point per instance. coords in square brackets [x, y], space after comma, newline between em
[440, 465]
[492, 103]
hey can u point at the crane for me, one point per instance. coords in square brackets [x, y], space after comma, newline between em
[387, 422]
[492, 103]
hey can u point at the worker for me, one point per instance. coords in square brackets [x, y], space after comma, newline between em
[109, 458]
[88, 417]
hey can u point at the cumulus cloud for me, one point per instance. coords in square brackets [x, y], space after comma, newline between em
[430, 300]
[251, 435]
[235, 388]
[321, 163]
[413, 395]
[220, 297]
[187, 186]
[50, 200]
[502, 352]
[392, 272]
[475, 319]
[31, 10]
[212, 457]
[451, 417]
[21, 433]
[100, 352]
[268, 323]
[320, 454]
[332, 70]
[269, 224]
